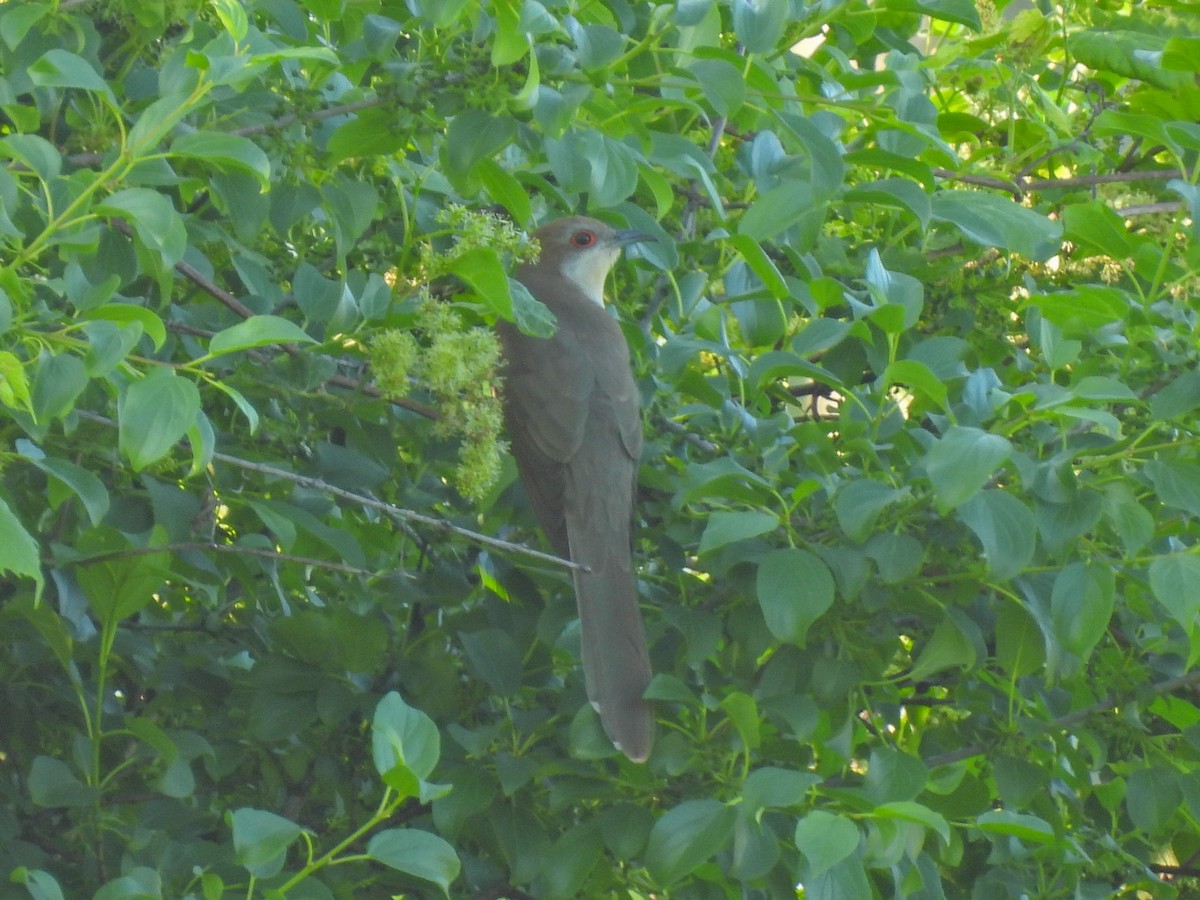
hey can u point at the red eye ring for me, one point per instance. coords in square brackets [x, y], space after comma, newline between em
[583, 238]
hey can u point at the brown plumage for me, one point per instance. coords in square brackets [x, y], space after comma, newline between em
[572, 413]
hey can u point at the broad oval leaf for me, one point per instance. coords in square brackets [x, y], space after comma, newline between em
[1006, 529]
[257, 331]
[1018, 825]
[61, 68]
[961, 461]
[687, 836]
[225, 151]
[859, 503]
[1081, 605]
[794, 590]
[825, 839]
[996, 221]
[1175, 580]
[261, 840]
[155, 413]
[418, 853]
[403, 736]
[153, 218]
[728, 527]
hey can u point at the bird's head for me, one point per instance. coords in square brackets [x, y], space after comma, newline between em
[582, 250]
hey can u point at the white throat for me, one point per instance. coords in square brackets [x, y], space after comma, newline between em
[588, 270]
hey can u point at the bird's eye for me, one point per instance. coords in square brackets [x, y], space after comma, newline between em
[583, 238]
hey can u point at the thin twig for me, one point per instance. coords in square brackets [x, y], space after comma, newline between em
[1109, 703]
[1151, 209]
[223, 548]
[396, 512]
[691, 438]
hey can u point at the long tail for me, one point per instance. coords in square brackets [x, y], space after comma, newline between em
[616, 664]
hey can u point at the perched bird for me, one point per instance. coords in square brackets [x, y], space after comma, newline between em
[571, 408]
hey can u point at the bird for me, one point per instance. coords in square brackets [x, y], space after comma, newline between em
[574, 424]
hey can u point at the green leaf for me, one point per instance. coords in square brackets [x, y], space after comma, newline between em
[124, 580]
[1175, 580]
[473, 136]
[140, 883]
[778, 209]
[759, 24]
[531, 315]
[1018, 825]
[893, 775]
[909, 811]
[1096, 228]
[1177, 399]
[14, 384]
[743, 713]
[961, 462]
[948, 647]
[961, 11]
[18, 20]
[403, 737]
[86, 486]
[58, 381]
[721, 84]
[794, 590]
[774, 788]
[63, 69]
[233, 18]
[996, 221]
[761, 264]
[35, 152]
[825, 839]
[1081, 605]
[569, 862]
[858, 505]
[496, 657]
[511, 41]
[417, 853]
[225, 152]
[482, 269]
[257, 331]
[41, 885]
[612, 168]
[687, 836]
[373, 132]
[261, 840]
[1152, 798]
[918, 380]
[504, 188]
[339, 640]
[154, 220]
[154, 414]
[1020, 645]
[126, 314]
[52, 785]
[1177, 483]
[1006, 529]
[729, 527]
[898, 557]
[897, 193]
[110, 345]
[1132, 54]
[18, 549]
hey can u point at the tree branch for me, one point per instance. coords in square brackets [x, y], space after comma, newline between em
[396, 512]
[1111, 702]
[235, 549]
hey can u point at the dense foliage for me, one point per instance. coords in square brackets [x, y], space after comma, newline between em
[920, 508]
